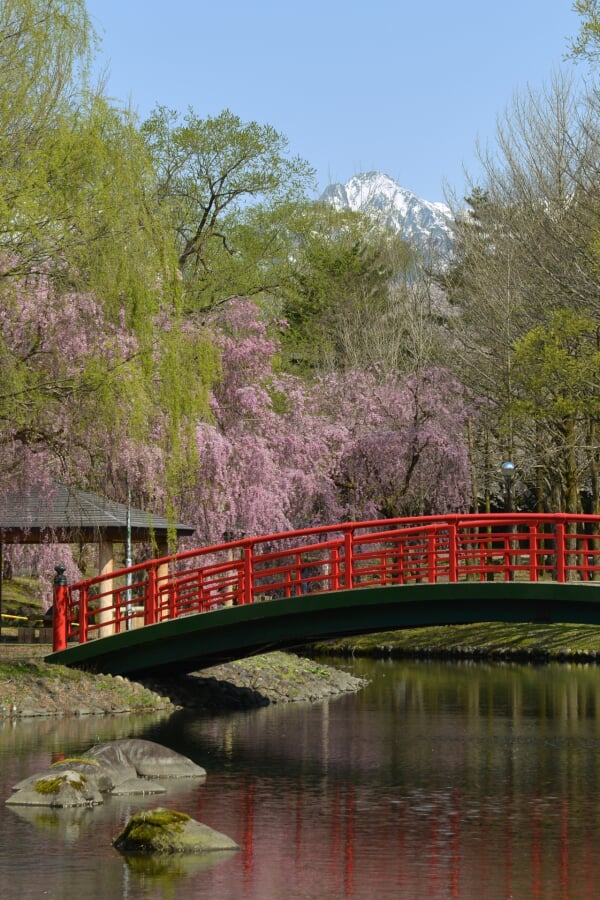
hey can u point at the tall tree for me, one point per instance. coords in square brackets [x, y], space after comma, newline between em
[526, 247]
[222, 184]
[265, 458]
[42, 45]
[403, 450]
[557, 378]
[341, 270]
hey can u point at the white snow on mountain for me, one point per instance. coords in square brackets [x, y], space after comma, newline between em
[425, 225]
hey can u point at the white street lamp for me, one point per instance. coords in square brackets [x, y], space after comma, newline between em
[508, 473]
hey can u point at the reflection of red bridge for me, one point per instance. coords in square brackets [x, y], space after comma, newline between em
[435, 843]
[283, 590]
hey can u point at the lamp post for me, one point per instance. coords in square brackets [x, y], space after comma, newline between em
[508, 473]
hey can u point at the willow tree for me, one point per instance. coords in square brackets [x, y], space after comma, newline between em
[44, 50]
[79, 231]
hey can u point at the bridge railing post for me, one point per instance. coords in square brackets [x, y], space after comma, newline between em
[298, 576]
[452, 551]
[534, 550]
[348, 558]
[560, 551]
[335, 568]
[247, 572]
[59, 609]
[397, 560]
[432, 557]
[173, 600]
[83, 614]
[151, 606]
[201, 603]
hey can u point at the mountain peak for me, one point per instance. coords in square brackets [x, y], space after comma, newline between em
[423, 224]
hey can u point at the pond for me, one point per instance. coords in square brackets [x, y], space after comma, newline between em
[438, 780]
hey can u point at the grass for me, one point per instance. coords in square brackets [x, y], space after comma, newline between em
[494, 639]
[21, 605]
[21, 593]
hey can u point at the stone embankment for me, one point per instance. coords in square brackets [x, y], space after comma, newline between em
[31, 687]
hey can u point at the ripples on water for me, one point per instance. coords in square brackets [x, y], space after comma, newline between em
[437, 781]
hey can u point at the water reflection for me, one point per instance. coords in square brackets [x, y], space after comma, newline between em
[438, 781]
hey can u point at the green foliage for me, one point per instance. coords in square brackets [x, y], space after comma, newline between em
[557, 368]
[44, 48]
[220, 185]
[341, 265]
[586, 45]
[94, 355]
[112, 239]
[557, 376]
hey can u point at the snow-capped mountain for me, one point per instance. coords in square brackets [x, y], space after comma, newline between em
[423, 224]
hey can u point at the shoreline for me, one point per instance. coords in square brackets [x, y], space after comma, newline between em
[30, 687]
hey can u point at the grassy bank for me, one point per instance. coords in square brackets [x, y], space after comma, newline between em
[495, 640]
[31, 687]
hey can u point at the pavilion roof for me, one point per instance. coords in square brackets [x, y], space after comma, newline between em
[66, 514]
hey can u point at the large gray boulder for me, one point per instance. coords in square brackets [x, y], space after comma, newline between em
[169, 831]
[118, 767]
[131, 758]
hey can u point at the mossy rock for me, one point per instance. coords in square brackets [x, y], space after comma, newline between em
[169, 831]
[119, 767]
[58, 789]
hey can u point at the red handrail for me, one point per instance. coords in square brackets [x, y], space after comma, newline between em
[429, 549]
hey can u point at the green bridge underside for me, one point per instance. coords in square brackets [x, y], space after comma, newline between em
[198, 641]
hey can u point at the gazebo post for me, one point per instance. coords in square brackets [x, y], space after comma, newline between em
[163, 570]
[59, 610]
[105, 567]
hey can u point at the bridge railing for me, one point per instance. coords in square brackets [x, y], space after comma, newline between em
[425, 550]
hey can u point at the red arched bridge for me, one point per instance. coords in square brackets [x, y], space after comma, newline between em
[194, 609]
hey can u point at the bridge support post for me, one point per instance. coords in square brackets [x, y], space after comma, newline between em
[59, 610]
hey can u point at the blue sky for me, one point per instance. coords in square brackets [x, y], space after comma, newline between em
[402, 87]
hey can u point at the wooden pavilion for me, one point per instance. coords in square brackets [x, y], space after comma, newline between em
[65, 515]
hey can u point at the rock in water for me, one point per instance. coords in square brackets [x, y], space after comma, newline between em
[168, 831]
[118, 767]
[62, 789]
[133, 757]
